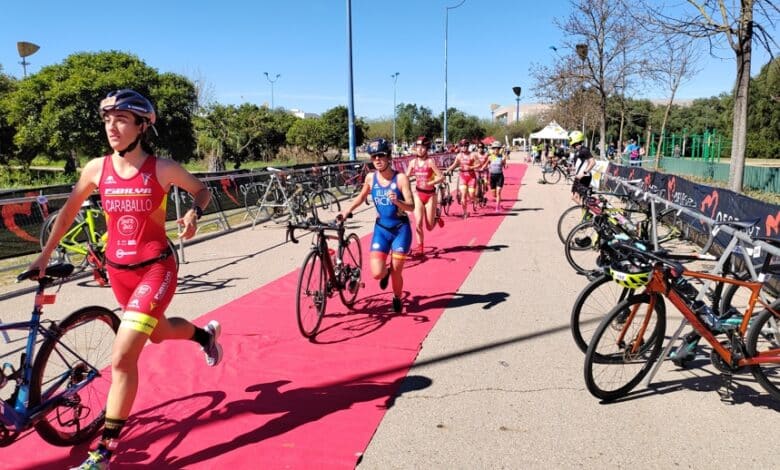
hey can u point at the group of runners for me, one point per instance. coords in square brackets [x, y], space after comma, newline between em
[134, 184]
[391, 192]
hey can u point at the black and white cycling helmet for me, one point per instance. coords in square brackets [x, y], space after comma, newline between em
[128, 100]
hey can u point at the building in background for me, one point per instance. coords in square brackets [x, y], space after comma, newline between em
[506, 114]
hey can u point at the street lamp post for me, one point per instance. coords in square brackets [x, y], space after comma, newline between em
[272, 85]
[517, 91]
[350, 89]
[446, 27]
[582, 53]
[26, 49]
[395, 79]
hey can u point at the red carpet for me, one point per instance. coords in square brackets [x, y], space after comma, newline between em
[279, 401]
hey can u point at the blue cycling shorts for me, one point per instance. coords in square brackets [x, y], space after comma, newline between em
[392, 238]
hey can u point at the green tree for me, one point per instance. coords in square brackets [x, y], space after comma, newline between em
[55, 111]
[336, 126]
[311, 135]
[7, 148]
[764, 118]
[463, 126]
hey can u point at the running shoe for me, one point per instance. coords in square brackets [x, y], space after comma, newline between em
[214, 350]
[383, 282]
[396, 304]
[96, 460]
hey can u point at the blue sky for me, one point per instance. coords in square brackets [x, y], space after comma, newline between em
[230, 43]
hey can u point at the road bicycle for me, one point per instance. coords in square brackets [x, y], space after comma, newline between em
[552, 172]
[84, 243]
[285, 198]
[61, 388]
[480, 198]
[326, 271]
[444, 196]
[629, 339]
[350, 178]
[584, 245]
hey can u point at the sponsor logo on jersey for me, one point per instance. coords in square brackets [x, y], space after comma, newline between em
[127, 225]
[146, 177]
[134, 304]
[109, 180]
[163, 287]
[120, 253]
[127, 191]
[142, 290]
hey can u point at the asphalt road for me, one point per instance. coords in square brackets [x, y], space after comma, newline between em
[506, 381]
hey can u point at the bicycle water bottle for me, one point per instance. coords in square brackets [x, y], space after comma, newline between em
[622, 220]
[685, 288]
[706, 315]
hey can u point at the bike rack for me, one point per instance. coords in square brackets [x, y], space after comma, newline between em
[737, 237]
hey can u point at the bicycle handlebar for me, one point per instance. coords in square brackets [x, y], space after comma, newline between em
[312, 225]
[53, 271]
[660, 256]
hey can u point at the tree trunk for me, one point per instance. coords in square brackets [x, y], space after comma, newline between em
[216, 163]
[743, 51]
[603, 126]
[663, 129]
[72, 163]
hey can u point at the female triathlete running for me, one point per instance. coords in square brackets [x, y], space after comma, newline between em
[496, 164]
[427, 176]
[392, 196]
[134, 187]
[466, 160]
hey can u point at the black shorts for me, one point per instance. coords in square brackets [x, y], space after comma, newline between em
[581, 185]
[496, 180]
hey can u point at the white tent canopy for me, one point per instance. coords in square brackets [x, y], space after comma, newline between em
[552, 131]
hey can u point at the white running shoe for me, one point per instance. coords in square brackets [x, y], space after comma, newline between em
[214, 350]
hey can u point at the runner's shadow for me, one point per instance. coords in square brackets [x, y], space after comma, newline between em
[369, 315]
[420, 303]
[146, 427]
[298, 406]
[193, 285]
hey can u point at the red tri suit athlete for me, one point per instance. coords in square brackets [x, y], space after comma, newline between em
[135, 214]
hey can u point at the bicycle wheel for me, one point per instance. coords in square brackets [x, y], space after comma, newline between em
[551, 176]
[253, 202]
[311, 296]
[76, 236]
[274, 203]
[175, 250]
[325, 206]
[445, 200]
[624, 347]
[351, 270]
[582, 247]
[592, 305]
[76, 356]
[569, 219]
[763, 337]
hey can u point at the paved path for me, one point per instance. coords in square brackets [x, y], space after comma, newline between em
[506, 379]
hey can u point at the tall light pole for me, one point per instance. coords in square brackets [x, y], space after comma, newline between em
[517, 90]
[350, 90]
[582, 53]
[446, 28]
[395, 79]
[272, 81]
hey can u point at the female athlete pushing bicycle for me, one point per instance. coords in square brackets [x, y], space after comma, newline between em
[133, 186]
[427, 176]
[392, 196]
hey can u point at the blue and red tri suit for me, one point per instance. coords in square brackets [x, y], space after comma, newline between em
[392, 231]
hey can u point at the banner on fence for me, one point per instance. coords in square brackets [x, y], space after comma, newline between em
[716, 203]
